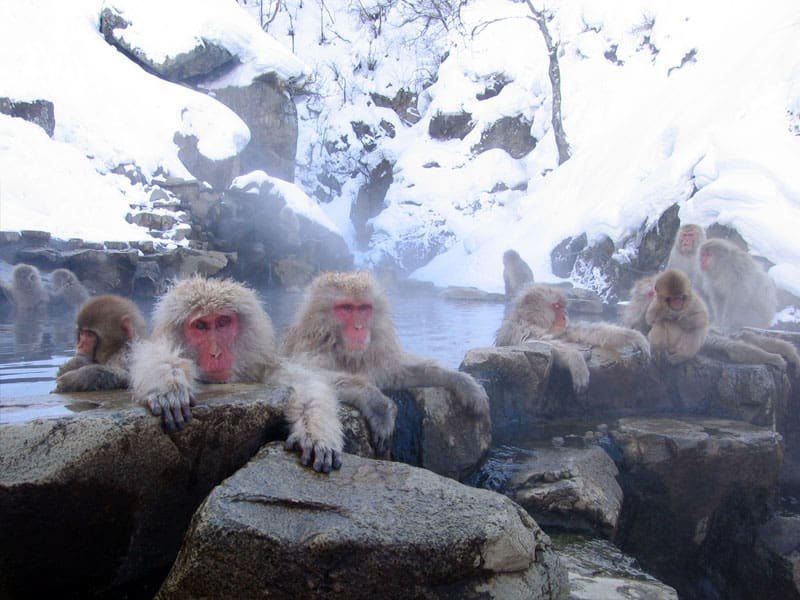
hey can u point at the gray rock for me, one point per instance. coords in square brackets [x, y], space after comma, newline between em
[39, 112]
[373, 529]
[570, 489]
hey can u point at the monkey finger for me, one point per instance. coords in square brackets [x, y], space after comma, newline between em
[336, 461]
[187, 413]
[322, 459]
[305, 456]
[169, 421]
[192, 400]
[177, 417]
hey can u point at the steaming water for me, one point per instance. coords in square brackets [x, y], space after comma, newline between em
[428, 325]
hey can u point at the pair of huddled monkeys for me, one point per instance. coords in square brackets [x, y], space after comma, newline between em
[342, 346]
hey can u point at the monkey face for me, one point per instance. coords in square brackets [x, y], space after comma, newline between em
[355, 319]
[559, 317]
[212, 337]
[88, 341]
[706, 259]
[676, 303]
[688, 241]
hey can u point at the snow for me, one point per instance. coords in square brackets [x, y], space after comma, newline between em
[716, 109]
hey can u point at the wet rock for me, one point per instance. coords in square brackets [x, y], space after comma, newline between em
[569, 489]
[471, 293]
[372, 529]
[696, 491]
[599, 571]
[778, 553]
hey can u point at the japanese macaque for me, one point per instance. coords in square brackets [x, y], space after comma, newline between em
[739, 292]
[516, 272]
[106, 328]
[66, 287]
[677, 317]
[633, 314]
[215, 331]
[684, 255]
[27, 291]
[344, 325]
[539, 312]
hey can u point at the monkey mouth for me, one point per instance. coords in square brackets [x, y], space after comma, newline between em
[218, 376]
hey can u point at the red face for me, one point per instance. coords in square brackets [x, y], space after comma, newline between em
[676, 302]
[213, 337]
[355, 318]
[688, 240]
[705, 259]
[560, 314]
[87, 343]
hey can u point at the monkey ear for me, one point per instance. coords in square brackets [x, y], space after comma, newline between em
[127, 327]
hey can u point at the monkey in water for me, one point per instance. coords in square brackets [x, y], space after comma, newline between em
[216, 331]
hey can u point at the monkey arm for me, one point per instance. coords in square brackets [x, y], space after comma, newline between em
[741, 352]
[313, 416]
[775, 345]
[416, 372]
[92, 377]
[607, 336]
[76, 362]
[572, 359]
[378, 410]
[163, 381]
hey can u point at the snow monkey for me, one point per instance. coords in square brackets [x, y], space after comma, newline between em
[214, 331]
[344, 325]
[539, 312]
[27, 291]
[684, 254]
[516, 272]
[677, 317]
[67, 288]
[106, 327]
[642, 292]
[739, 292]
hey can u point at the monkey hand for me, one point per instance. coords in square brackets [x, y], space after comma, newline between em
[173, 406]
[380, 413]
[320, 456]
[472, 395]
[76, 362]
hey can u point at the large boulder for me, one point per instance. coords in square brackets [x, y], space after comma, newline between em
[373, 529]
[696, 491]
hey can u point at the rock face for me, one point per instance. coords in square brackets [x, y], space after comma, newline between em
[696, 491]
[373, 529]
[96, 498]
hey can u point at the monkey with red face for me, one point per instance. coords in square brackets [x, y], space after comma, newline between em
[345, 326]
[106, 327]
[539, 312]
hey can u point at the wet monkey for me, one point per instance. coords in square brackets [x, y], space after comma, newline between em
[67, 288]
[516, 272]
[215, 331]
[539, 312]
[344, 325]
[106, 328]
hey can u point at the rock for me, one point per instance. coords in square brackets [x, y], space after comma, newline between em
[370, 199]
[98, 497]
[204, 59]
[450, 126]
[778, 553]
[271, 115]
[599, 571]
[470, 294]
[39, 112]
[569, 489]
[512, 134]
[373, 529]
[526, 389]
[563, 256]
[696, 490]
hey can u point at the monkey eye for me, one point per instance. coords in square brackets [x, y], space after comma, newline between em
[199, 324]
[224, 321]
[346, 306]
[364, 307]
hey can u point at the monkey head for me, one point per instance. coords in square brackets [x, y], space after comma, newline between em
[221, 325]
[352, 298]
[673, 289]
[212, 336]
[26, 277]
[543, 306]
[712, 252]
[689, 237]
[105, 324]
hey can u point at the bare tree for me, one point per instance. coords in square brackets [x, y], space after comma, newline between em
[541, 17]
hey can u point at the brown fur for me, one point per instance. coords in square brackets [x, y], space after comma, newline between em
[516, 272]
[315, 336]
[117, 322]
[164, 371]
[531, 317]
[677, 334]
[739, 292]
